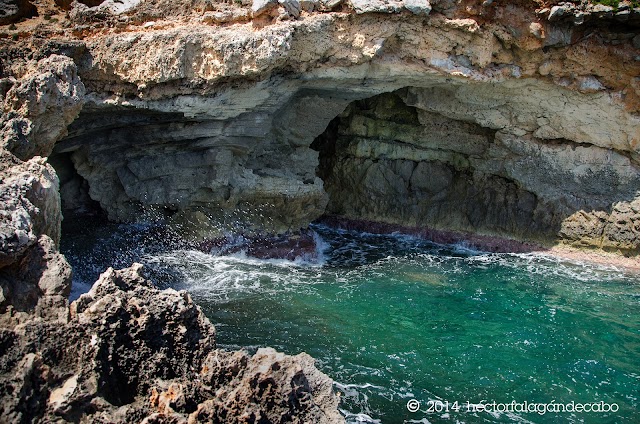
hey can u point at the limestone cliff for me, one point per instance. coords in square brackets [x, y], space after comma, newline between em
[498, 118]
[203, 114]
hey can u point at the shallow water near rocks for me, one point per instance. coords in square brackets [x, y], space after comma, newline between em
[393, 318]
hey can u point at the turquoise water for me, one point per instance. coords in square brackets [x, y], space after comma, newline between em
[393, 318]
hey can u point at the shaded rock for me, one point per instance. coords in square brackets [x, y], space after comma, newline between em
[329, 4]
[38, 285]
[290, 247]
[430, 167]
[319, 5]
[14, 10]
[602, 11]
[29, 206]
[292, 7]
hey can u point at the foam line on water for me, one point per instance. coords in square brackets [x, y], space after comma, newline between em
[358, 418]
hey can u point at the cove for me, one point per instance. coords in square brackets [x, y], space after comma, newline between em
[393, 318]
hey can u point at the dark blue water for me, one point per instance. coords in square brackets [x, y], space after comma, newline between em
[394, 319]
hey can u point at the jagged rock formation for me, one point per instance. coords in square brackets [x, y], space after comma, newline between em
[499, 118]
[127, 352]
[210, 127]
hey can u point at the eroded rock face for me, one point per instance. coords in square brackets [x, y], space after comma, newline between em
[482, 170]
[36, 286]
[504, 120]
[35, 113]
[124, 352]
[37, 109]
[30, 205]
[207, 176]
[165, 135]
[130, 353]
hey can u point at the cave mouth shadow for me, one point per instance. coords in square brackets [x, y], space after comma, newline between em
[389, 167]
[387, 163]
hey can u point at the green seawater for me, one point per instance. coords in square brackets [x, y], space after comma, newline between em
[393, 318]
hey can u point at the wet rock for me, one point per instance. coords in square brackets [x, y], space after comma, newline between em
[291, 247]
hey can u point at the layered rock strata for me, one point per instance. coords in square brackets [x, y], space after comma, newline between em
[210, 127]
[509, 119]
[419, 158]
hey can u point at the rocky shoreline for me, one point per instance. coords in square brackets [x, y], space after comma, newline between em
[491, 244]
[494, 120]
[128, 352]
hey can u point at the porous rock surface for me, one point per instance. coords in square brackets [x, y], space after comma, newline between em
[128, 352]
[124, 352]
[35, 113]
[209, 125]
[513, 119]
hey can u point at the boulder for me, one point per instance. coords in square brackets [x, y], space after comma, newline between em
[418, 7]
[39, 108]
[132, 353]
[292, 7]
[261, 6]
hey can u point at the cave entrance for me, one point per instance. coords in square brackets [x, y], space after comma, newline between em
[74, 189]
[384, 161]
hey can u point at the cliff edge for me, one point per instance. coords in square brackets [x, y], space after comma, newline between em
[516, 120]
